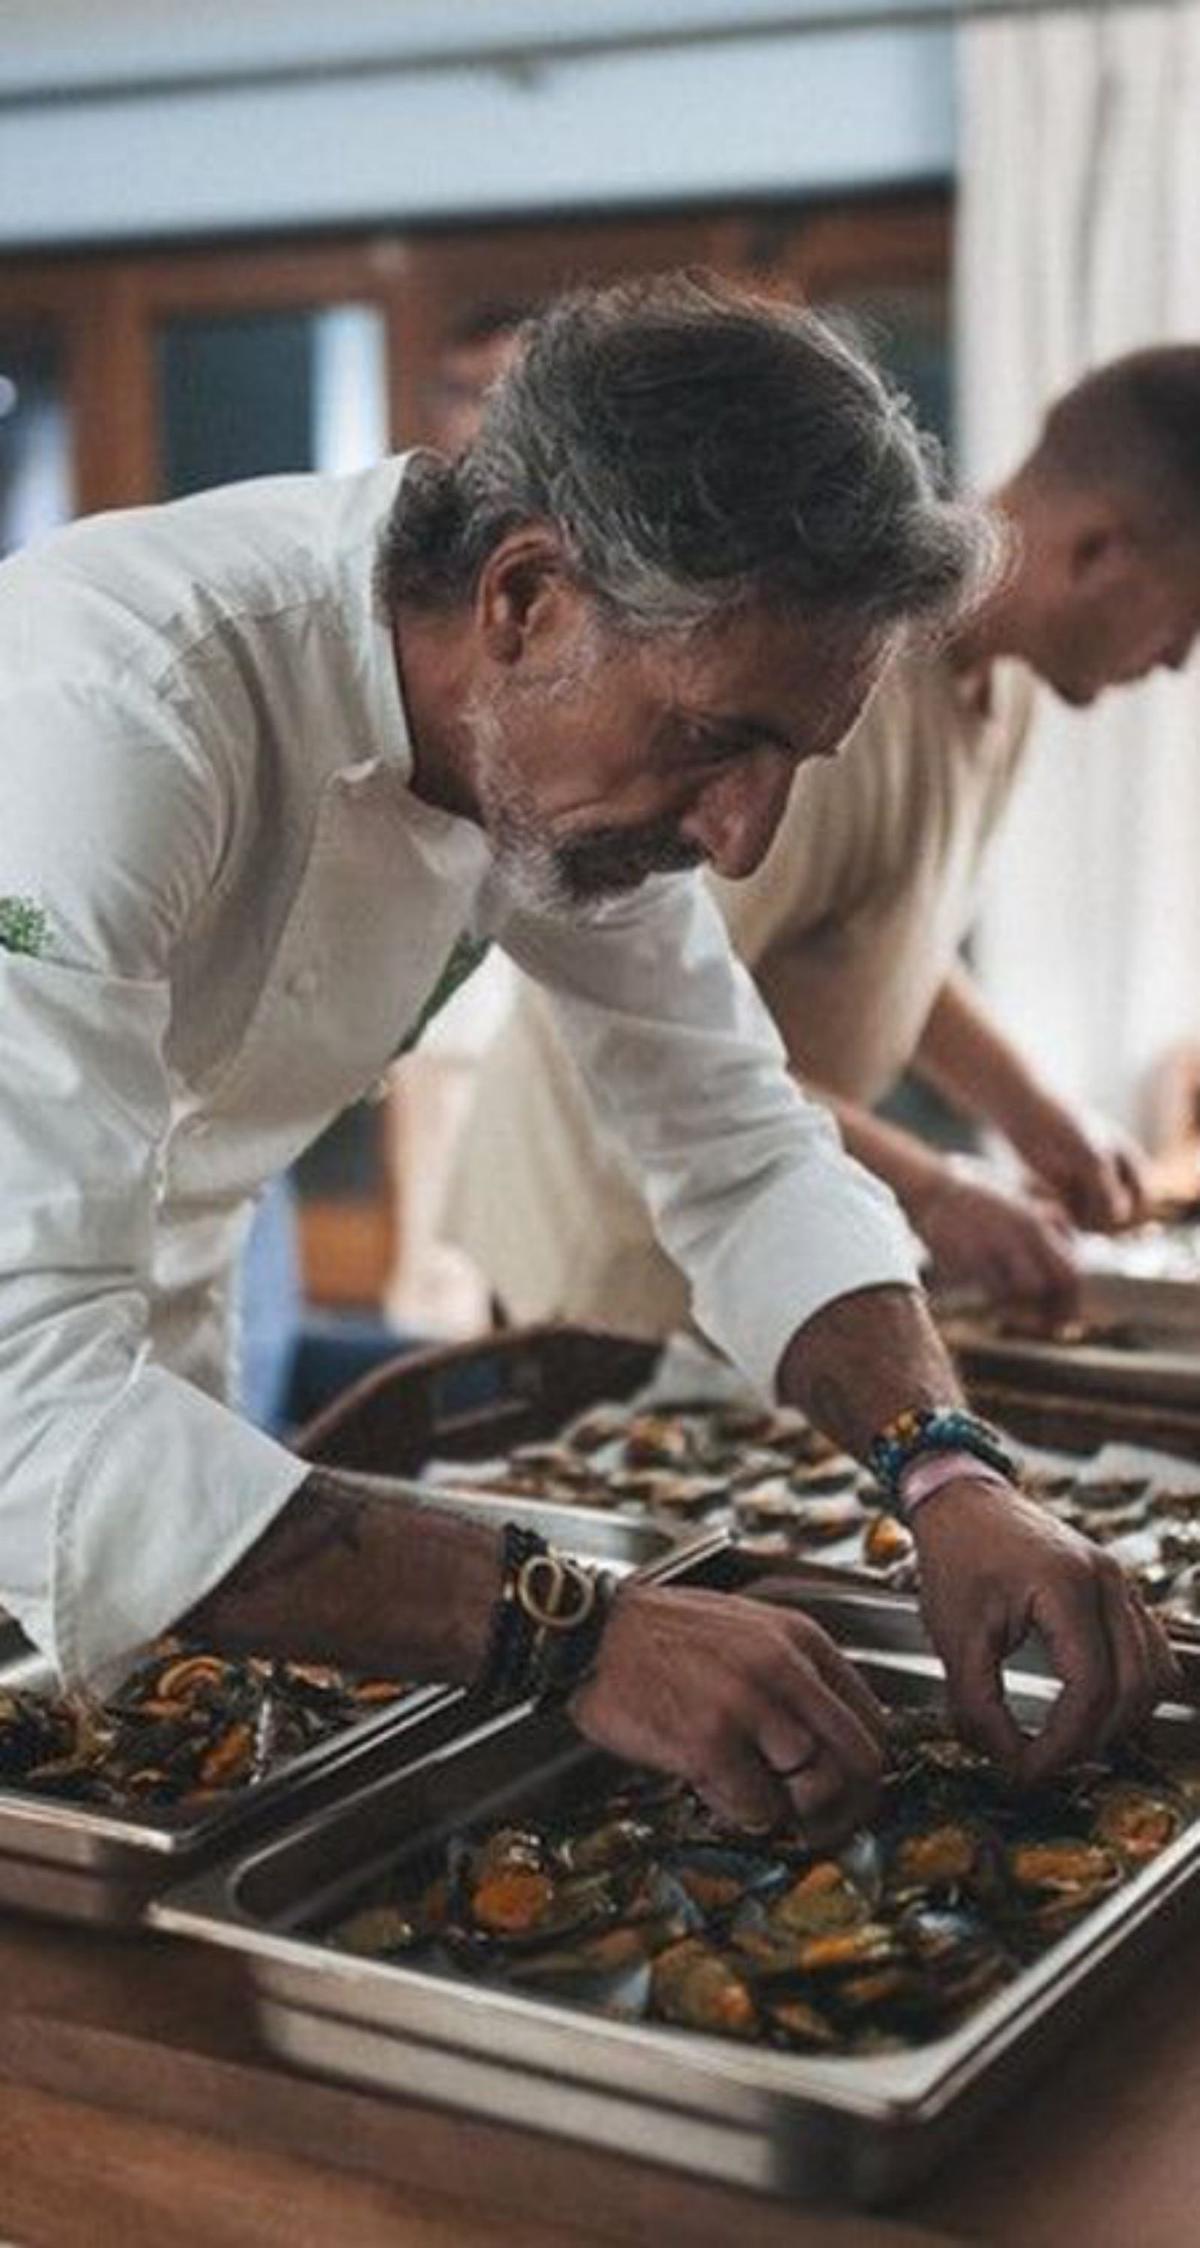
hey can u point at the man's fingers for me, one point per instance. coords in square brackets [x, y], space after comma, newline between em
[1115, 1665]
[824, 1801]
[974, 1675]
[1135, 1184]
[849, 1684]
[1075, 1634]
[786, 1743]
[823, 1698]
[1147, 1670]
[735, 1779]
[817, 1648]
[1133, 1674]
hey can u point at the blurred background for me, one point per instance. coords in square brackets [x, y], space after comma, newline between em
[253, 237]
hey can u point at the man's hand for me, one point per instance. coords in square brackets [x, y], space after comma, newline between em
[1101, 1181]
[1014, 1248]
[755, 1706]
[993, 1567]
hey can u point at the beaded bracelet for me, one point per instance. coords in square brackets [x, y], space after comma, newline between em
[934, 1428]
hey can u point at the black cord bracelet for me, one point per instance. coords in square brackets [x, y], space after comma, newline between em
[546, 1626]
[505, 1666]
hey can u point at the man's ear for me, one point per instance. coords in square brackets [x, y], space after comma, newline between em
[523, 593]
[1099, 547]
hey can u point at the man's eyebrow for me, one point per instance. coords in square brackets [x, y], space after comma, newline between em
[748, 726]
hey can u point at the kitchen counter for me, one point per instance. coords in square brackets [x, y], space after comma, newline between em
[137, 2106]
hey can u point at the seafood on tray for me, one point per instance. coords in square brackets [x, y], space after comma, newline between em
[643, 1907]
[764, 1472]
[785, 1491]
[186, 1727]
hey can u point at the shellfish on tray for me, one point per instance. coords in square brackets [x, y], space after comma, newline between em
[186, 1727]
[641, 1904]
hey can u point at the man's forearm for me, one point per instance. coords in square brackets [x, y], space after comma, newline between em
[862, 1360]
[351, 1576]
[966, 1057]
[910, 1168]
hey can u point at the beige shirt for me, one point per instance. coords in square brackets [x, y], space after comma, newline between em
[850, 928]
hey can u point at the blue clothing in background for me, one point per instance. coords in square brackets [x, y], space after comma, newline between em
[294, 1360]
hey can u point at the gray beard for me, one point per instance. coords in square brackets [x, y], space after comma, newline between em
[571, 879]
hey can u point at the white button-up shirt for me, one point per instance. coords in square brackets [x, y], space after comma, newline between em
[222, 910]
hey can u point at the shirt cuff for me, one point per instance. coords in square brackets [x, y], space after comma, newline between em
[165, 1495]
[795, 1251]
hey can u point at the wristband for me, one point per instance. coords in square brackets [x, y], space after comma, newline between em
[934, 1428]
[567, 1606]
[506, 1658]
[930, 1471]
[546, 1626]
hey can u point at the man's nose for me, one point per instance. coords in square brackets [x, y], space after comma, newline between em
[735, 818]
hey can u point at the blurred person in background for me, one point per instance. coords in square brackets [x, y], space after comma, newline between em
[853, 923]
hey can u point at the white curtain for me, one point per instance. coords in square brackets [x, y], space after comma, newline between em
[1080, 238]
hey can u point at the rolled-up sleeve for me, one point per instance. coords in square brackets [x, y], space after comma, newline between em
[125, 1492]
[749, 1186]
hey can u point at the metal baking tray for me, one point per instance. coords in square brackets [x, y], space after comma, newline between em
[78, 1862]
[620, 1542]
[1165, 1371]
[1150, 1275]
[863, 2129]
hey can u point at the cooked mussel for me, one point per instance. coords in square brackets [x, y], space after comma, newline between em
[700, 1987]
[1137, 1822]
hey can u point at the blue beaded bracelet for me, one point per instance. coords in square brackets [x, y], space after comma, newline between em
[934, 1428]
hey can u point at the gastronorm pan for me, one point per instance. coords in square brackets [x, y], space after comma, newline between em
[80, 1862]
[1160, 1371]
[617, 1542]
[862, 2128]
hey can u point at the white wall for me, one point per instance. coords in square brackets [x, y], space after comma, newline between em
[152, 117]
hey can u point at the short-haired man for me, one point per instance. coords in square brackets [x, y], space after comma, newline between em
[851, 926]
[278, 761]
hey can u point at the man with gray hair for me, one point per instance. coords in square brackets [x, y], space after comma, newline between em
[279, 762]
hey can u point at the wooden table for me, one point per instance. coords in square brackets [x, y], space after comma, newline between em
[138, 2110]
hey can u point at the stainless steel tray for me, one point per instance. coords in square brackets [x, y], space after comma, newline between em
[598, 1534]
[852, 2128]
[1164, 1371]
[76, 1862]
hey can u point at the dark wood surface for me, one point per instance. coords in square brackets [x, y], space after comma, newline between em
[136, 2105]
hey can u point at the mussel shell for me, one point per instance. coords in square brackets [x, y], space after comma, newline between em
[389, 1929]
[1136, 1822]
[886, 1542]
[1056, 1878]
[824, 1897]
[657, 1440]
[717, 1878]
[800, 2023]
[612, 1971]
[616, 1842]
[959, 1953]
[32, 1732]
[945, 1857]
[698, 1987]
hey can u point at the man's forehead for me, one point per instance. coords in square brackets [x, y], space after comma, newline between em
[790, 644]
